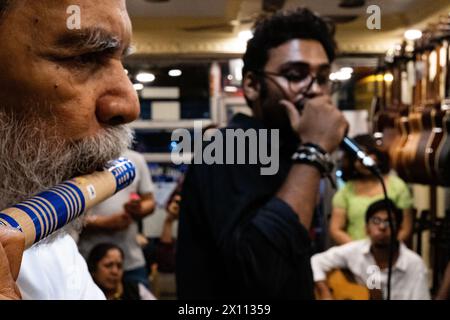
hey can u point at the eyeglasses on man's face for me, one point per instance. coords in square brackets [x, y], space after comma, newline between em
[299, 75]
[377, 221]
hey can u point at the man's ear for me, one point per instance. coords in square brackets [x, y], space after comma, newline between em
[251, 86]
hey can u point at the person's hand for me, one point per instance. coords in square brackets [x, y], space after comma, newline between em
[114, 222]
[323, 291]
[140, 207]
[320, 122]
[142, 240]
[173, 209]
[135, 209]
[12, 245]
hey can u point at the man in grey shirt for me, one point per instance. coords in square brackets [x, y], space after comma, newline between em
[115, 221]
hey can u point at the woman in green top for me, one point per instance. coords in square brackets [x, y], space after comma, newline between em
[361, 190]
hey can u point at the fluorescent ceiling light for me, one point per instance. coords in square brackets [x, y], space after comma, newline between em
[340, 76]
[347, 70]
[145, 77]
[138, 86]
[413, 34]
[175, 73]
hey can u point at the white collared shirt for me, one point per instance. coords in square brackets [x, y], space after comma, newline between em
[56, 271]
[409, 274]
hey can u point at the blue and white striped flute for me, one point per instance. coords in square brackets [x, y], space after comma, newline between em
[51, 210]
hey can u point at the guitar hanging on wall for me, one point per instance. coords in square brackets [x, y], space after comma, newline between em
[421, 153]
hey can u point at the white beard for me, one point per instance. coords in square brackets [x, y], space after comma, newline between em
[31, 161]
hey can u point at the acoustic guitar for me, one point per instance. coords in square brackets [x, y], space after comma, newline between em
[422, 171]
[443, 153]
[395, 153]
[437, 135]
[442, 156]
[420, 119]
[382, 116]
[408, 152]
[402, 121]
[343, 286]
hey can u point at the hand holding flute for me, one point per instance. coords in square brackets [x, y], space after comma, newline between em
[49, 211]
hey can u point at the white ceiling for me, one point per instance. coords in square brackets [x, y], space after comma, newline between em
[177, 8]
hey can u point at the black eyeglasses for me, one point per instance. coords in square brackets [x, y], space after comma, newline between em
[299, 72]
[378, 221]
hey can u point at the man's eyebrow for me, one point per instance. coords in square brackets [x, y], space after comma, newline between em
[291, 64]
[90, 40]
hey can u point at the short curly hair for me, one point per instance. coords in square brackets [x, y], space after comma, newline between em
[272, 31]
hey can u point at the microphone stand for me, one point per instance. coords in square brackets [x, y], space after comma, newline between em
[368, 162]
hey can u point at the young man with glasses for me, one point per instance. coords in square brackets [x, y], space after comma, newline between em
[409, 275]
[243, 234]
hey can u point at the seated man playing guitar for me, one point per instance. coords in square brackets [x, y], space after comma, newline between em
[367, 260]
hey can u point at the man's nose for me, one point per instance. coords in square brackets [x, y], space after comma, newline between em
[316, 89]
[383, 226]
[119, 104]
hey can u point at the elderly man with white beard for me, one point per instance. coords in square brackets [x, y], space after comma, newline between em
[64, 100]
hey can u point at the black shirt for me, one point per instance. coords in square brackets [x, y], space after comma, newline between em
[236, 239]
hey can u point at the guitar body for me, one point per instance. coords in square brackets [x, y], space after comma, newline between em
[418, 171]
[344, 287]
[437, 134]
[395, 153]
[409, 151]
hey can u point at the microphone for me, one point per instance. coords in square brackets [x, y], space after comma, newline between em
[353, 148]
[348, 144]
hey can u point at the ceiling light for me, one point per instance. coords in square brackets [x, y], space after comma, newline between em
[347, 70]
[138, 86]
[145, 77]
[388, 77]
[343, 76]
[413, 34]
[175, 73]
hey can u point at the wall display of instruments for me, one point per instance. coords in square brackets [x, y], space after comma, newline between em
[51, 210]
[416, 101]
